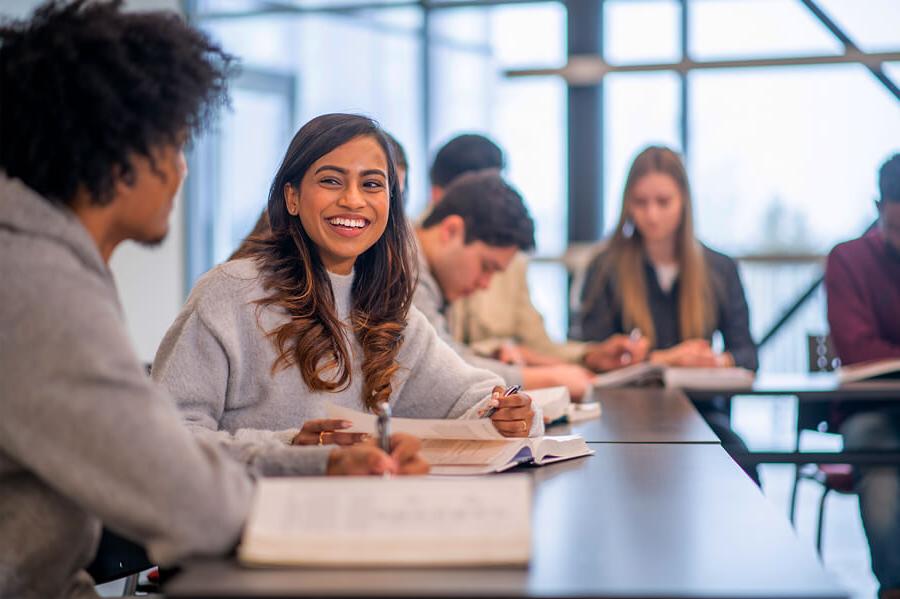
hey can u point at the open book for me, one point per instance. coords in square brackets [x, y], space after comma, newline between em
[877, 369]
[646, 374]
[368, 521]
[465, 447]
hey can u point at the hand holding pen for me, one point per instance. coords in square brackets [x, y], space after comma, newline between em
[510, 412]
[394, 454]
[617, 351]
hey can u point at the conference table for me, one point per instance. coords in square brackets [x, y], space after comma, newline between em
[817, 394]
[652, 518]
[649, 415]
[807, 387]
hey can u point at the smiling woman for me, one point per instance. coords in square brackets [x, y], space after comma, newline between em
[345, 201]
[327, 295]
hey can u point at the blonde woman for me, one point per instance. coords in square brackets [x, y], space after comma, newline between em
[655, 277]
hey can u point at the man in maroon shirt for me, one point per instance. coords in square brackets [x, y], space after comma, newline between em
[862, 281]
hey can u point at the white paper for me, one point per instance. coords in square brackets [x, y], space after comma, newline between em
[398, 521]
[423, 428]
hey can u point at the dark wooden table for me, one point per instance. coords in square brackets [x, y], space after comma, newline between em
[651, 415]
[654, 520]
[816, 393]
[812, 386]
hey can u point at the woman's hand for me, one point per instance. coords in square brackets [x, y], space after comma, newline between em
[367, 459]
[325, 431]
[514, 414]
[693, 353]
[615, 352]
[510, 353]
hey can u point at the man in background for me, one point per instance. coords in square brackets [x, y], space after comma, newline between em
[472, 234]
[500, 320]
[862, 282]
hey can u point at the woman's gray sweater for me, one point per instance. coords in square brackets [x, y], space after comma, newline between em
[216, 361]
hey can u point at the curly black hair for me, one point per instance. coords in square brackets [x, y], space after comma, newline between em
[492, 209]
[84, 87]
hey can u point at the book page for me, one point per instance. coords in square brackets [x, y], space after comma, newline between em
[561, 447]
[441, 452]
[375, 521]
[636, 374]
[423, 428]
[709, 378]
[889, 368]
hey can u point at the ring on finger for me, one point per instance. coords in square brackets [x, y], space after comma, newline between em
[321, 437]
[524, 425]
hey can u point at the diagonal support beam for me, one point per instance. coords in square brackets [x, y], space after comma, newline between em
[849, 46]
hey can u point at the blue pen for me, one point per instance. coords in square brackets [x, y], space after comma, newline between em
[511, 390]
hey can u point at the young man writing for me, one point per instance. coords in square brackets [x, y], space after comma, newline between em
[500, 320]
[472, 233]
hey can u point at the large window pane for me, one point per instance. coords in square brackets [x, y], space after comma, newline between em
[640, 109]
[873, 25]
[641, 31]
[755, 28]
[786, 159]
[366, 62]
[470, 49]
[257, 122]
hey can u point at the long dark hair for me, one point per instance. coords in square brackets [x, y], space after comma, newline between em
[298, 283]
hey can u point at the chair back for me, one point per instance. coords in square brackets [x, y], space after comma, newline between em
[820, 354]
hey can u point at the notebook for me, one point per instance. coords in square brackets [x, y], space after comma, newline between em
[371, 522]
[646, 374]
[469, 447]
[877, 369]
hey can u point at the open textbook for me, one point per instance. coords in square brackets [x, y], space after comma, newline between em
[876, 369]
[368, 521]
[647, 374]
[466, 447]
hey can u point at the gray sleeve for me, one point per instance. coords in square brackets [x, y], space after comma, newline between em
[81, 414]
[197, 361]
[427, 299]
[439, 383]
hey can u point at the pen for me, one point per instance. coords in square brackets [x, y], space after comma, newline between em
[511, 390]
[384, 427]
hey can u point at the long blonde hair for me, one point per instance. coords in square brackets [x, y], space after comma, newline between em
[696, 303]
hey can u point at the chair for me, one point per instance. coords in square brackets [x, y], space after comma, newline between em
[832, 477]
[118, 558]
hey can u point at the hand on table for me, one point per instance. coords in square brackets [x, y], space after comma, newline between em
[368, 459]
[616, 351]
[693, 353]
[326, 431]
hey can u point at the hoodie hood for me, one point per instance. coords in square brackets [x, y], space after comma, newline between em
[23, 211]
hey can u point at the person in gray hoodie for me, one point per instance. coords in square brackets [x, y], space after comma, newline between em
[95, 106]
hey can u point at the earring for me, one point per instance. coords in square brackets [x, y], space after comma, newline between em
[628, 228]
